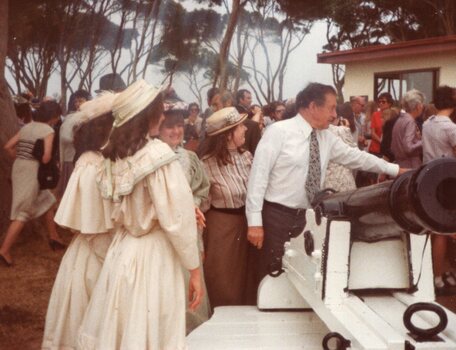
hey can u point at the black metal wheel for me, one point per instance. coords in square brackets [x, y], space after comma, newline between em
[335, 341]
[425, 333]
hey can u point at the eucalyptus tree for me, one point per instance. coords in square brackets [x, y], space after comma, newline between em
[271, 37]
[8, 121]
[67, 36]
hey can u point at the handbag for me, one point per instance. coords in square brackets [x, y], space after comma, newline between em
[49, 173]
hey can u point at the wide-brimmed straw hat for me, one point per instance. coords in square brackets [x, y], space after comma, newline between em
[97, 107]
[222, 120]
[133, 100]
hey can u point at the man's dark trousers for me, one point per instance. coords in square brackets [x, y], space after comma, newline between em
[280, 223]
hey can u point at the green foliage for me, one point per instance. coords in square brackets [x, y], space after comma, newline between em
[182, 46]
[42, 22]
[365, 22]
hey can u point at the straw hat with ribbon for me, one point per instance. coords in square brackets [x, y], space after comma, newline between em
[224, 119]
[133, 100]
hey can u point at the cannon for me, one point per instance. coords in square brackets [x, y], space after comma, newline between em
[358, 277]
[418, 201]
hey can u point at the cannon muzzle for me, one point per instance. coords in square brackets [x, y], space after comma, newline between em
[417, 201]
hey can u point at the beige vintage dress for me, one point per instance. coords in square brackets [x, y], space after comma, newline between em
[83, 210]
[139, 299]
[29, 201]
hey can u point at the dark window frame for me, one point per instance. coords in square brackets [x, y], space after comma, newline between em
[435, 79]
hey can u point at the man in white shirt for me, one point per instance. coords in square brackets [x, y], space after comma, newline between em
[276, 195]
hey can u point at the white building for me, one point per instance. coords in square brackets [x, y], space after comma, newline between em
[421, 64]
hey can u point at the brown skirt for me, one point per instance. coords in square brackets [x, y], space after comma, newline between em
[230, 266]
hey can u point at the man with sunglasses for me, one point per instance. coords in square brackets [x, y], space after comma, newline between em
[385, 101]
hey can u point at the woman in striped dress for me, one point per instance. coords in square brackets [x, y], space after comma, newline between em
[229, 267]
[29, 202]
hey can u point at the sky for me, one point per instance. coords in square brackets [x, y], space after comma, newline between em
[302, 69]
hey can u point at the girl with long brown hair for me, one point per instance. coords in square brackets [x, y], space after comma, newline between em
[82, 210]
[139, 299]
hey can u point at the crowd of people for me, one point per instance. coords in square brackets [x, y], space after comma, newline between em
[176, 211]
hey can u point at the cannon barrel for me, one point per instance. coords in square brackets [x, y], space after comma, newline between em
[420, 200]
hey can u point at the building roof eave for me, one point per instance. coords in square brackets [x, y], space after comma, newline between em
[375, 52]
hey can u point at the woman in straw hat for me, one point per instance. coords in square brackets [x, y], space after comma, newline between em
[83, 210]
[172, 133]
[138, 301]
[229, 266]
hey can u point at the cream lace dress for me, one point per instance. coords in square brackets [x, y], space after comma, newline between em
[139, 299]
[83, 210]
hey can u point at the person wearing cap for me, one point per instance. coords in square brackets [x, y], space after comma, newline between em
[289, 154]
[111, 82]
[139, 299]
[88, 215]
[29, 201]
[172, 133]
[229, 267]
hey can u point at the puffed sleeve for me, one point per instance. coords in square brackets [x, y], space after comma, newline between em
[199, 182]
[82, 208]
[173, 201]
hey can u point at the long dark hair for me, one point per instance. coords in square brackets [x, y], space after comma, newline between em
[129, 138]
[47, 111]
[346, 112]
[217, 146]
[92, 136]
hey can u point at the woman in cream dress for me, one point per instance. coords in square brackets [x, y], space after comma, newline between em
[172, 133]
[83, 210]
[139, 299]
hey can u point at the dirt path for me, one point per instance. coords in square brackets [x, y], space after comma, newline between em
[25, 290]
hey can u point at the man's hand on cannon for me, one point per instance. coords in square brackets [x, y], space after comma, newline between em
[402, 171]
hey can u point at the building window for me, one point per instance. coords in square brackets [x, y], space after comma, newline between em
[398, 83]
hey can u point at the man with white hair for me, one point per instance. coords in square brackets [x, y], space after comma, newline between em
[406, 142]
[357, 104]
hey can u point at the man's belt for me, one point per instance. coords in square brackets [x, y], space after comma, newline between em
[285, 209]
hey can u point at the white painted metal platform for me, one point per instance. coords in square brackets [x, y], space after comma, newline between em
[245, 327]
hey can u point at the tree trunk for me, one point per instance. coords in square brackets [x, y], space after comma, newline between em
[221, 73]
[8, 122]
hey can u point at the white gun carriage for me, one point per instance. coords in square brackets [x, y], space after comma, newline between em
[359, 276]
